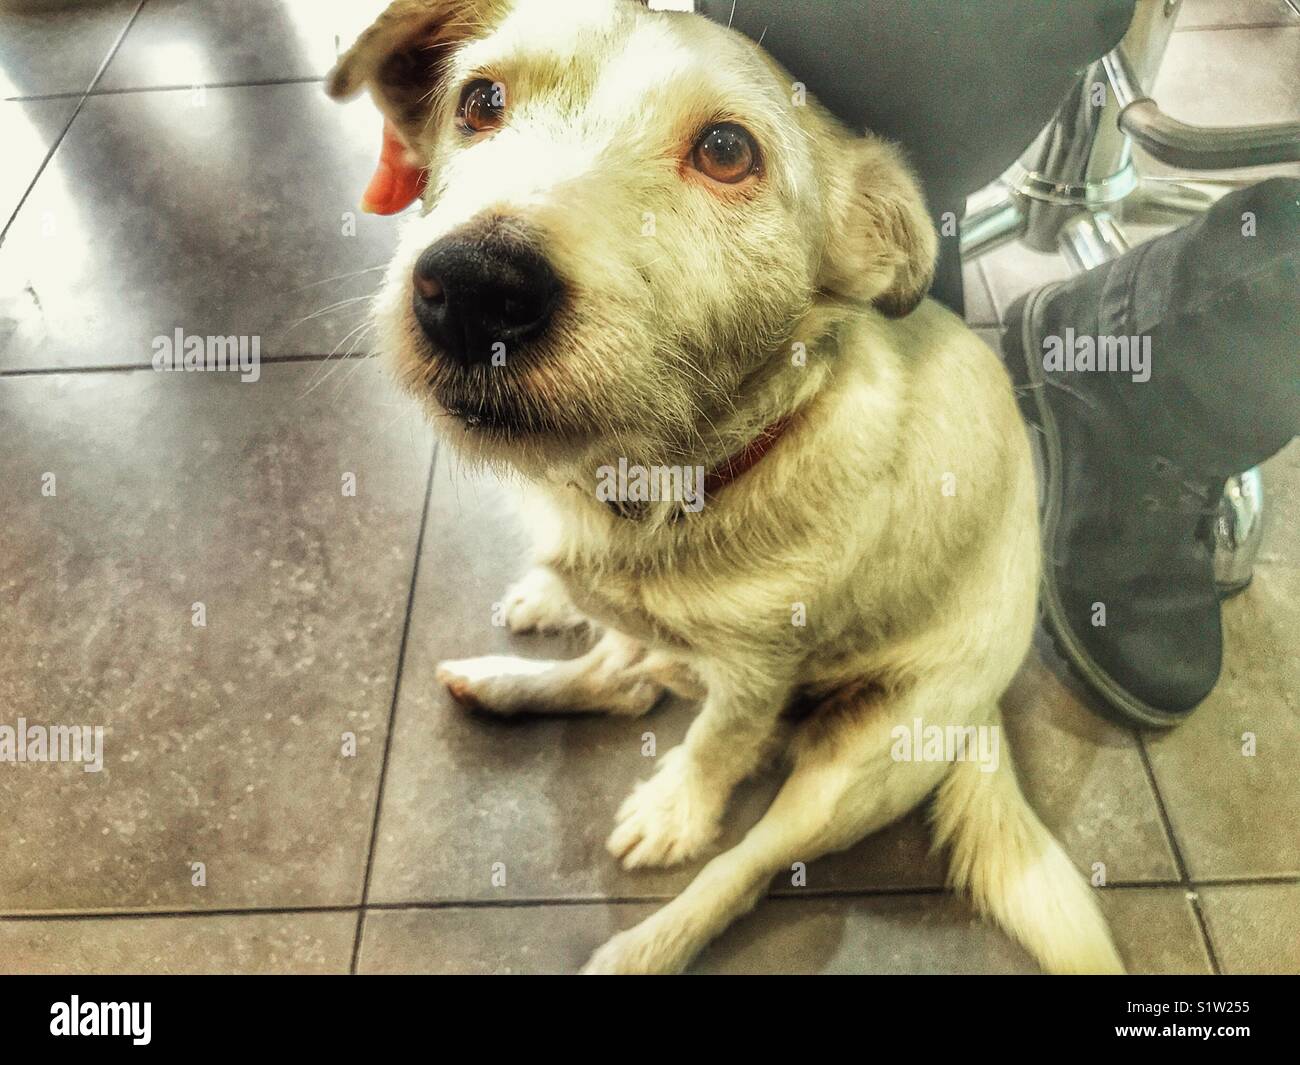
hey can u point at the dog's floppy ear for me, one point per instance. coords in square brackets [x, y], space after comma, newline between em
[882, 242]
[402, 57]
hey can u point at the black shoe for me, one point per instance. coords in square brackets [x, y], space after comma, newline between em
[1128, 595]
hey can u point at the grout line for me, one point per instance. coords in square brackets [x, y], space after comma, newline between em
[71, 119]
[304, 79]
[1294, 5]
[255, 83]
[131, 915]
[37, 97]
[784, 895]
[640, 900]
[392, 712]
[540, 902]
[1287, 25]
[1177, 851]
[132, 367]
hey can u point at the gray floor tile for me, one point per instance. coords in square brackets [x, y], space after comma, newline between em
[178, 42]
[222, 213]
[919, 934]
[1282, 500]
[933, 933]
[980, 309]
[1232, 77]
[1207, 14]
[223, 744]
[1234, 814]
[27, 130]
[1014, 269]
[48, 46]
[257, 943]
[1156, 931]
[894, 934]
[490, 940]
[1083, 776]
[1255, 928]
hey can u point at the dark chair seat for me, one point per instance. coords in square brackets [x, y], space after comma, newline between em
[963, 85]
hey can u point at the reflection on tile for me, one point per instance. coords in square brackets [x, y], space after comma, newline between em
[1255, 928]
[931, 933]
[51, 47]
[1228, 775]
[27, 130]
[225, 212]
[176, 42]
[138, 505]
[260, 943]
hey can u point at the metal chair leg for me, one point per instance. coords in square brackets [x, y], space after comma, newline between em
[1092, 239]
[992, 219]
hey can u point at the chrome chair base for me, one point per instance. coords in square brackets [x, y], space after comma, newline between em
[1238, 533]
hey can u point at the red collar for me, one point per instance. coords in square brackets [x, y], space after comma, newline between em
[743, 461]
[731, 470]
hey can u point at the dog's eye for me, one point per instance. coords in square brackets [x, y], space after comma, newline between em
[726, 153]
[482, 106]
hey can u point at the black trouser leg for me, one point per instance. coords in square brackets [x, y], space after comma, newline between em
[1220, 302]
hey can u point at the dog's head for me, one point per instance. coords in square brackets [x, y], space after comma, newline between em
[628, 214]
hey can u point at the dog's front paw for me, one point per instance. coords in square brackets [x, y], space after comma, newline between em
[495, 684]
[538, 602]
[667, 819]
[646, 950]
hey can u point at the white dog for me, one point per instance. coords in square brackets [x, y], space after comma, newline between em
[642, 250]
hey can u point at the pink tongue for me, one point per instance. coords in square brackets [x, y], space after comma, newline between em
[396, 183]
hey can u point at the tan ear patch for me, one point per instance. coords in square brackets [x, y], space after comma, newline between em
[401, 57]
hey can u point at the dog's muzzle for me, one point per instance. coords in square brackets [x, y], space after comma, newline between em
[480, 292]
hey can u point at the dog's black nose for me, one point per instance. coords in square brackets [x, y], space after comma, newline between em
[477, 293]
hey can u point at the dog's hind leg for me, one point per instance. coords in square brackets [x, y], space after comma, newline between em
[844, 786]
[617, 676]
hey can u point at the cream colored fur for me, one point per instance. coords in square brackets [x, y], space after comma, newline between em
[879, 566]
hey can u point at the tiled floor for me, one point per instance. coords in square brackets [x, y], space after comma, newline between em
[285, 787]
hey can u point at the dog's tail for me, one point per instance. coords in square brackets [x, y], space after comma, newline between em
[1016, 872]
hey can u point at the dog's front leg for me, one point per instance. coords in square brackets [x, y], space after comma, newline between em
[617, 676]
[674, 815]
[538, 602]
